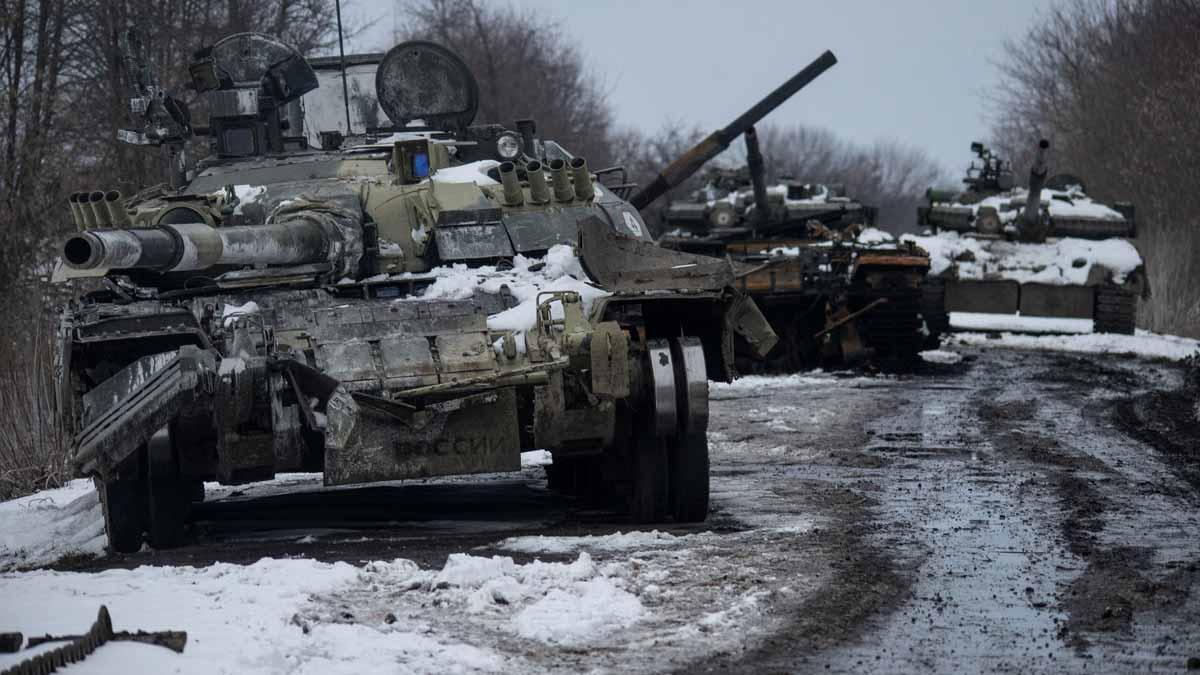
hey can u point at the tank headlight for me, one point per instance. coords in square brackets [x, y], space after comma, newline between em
[508, 146]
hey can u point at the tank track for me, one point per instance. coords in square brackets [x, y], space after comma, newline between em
[933, 310]
[1115, 310]
[76, 648]
[893, 329]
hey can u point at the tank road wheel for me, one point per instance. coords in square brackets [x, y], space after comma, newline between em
[722, 215]
[124, 505]
[688, 449]
[1115, 310]
[653, 427]
[169, 495]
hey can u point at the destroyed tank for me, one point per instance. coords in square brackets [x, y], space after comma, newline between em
[835, 289]
[424, 300]
[1046, 251]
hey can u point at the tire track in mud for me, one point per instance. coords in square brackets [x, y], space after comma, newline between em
[1117, 581]
[866, 584]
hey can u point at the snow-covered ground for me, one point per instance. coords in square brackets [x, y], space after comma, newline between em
[975, 321]
[941, 356]
[53, 524]
[1144, 344]
[649, 598]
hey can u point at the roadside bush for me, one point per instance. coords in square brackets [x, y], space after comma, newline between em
[32, 440]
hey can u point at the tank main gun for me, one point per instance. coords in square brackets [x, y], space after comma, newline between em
[758, 177]
[687, 164]
[190, 247]
[1032, 225]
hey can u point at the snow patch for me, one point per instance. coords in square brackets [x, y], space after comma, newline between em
[536, 458]
[1066, 261]
[247, 195]
[749, 383]
[231, 312]
[941, 356]
[44, 527]
[975, 321]
[572, 604]
[619, 541]
[238, 618]
[472, 172]
[571, 618]
[1144, 344]
[1069, 203]
[560, 270]
[872, 236]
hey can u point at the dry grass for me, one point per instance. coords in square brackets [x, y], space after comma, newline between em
[33, 442]
[1173, 261]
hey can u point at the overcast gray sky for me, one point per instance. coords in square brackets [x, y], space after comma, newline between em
[913, 71]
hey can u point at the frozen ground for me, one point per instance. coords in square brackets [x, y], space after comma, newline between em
[989, 515]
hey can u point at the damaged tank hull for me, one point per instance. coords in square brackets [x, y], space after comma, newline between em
[1048, 251]
[401, 306]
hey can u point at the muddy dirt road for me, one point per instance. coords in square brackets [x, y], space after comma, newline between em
[995, 515]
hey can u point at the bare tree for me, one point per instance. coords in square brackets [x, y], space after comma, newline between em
[527, 67]
[62, 98]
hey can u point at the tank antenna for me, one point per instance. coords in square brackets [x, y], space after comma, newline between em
[342, 49]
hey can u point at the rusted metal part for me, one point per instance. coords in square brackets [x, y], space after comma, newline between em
[610, 361]
[507, 378]
[472, 434]
[622, 263]
[747, 320]
[848, 318]
[78, 647]
[901, 260]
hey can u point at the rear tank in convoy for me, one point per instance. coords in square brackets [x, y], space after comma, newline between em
[1048, 251]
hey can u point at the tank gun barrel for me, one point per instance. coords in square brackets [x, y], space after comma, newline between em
[1031, 215]
[690, 162]
[196, 246]
[754, 160]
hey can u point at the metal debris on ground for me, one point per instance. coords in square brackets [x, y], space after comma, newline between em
[78, 647]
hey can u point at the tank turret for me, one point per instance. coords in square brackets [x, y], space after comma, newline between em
[1052, 206]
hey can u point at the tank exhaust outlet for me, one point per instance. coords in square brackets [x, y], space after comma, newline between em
[562, 183]
[539, 192]
[117, 214]
[76, 210]
[96, 204]
[513, 194]
[583, 179]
